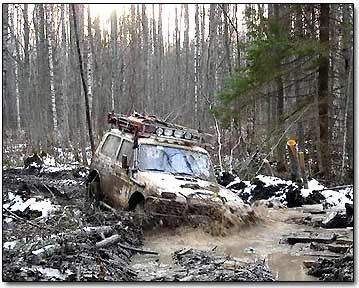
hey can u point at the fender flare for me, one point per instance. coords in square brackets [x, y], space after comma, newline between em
[91, 172]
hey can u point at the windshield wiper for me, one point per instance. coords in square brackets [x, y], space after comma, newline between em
[155, 169]
[184, 174]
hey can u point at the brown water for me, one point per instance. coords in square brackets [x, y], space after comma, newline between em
[260, 241]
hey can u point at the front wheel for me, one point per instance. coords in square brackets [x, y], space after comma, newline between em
[94, 191]
[140, 212]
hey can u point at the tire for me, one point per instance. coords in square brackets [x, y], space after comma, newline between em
[94, 191]
[140, 212]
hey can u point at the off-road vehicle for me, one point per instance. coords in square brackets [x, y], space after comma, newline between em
[158, 168]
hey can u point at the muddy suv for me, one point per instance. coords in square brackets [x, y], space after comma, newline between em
[147, 165]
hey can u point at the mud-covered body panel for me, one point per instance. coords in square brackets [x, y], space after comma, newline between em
[164, 193]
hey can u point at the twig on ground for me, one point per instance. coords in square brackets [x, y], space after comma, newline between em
[25, 220]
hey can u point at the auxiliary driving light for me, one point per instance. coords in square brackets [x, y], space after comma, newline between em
[159, 131]
[178, 133]
[188, 135]
[168, 132]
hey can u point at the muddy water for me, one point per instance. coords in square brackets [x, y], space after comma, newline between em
[260, 241]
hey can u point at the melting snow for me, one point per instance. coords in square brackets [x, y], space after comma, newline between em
[8, 220]
[271, 180]
[41, 250]
[18, 204]
[333, 197]
[49, 272]
[83, 174]
[10, 244]
[313, 185]
[52, 169]
[336, 198]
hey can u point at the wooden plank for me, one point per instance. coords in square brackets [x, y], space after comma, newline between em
[344, 241]
[309, 263]
[313, 209]
[307, 237]
[338, 248]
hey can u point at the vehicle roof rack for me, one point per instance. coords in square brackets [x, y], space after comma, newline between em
[146, 125]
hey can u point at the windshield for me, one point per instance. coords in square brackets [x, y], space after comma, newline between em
[176, 161]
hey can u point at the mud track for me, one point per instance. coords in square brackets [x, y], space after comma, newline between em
[64, 245]
[74, 240]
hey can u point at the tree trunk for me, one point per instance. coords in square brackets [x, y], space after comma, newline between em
[114, 63]
[44, 85]
[226, 40]
[197, 87]
[5, 17]
[26, 73]
[63, 99]
[160, 54]
[299, 36]
[280, 151]
[145, 56]
[83, 83]
[52, 102]
[323, 97]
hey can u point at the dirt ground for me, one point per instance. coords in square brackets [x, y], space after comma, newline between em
[78, 241]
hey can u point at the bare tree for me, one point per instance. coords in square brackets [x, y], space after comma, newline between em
[323, 95]
[83, 83]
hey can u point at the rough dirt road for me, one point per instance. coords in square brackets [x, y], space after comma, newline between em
[73, 232]
[258, 242]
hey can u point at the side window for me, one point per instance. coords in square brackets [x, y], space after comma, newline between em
[109, 148]
[126, 149]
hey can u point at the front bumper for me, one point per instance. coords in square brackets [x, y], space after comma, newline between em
[190, 209]
[196, 212]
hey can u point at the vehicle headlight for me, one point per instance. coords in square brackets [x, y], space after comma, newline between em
[168, 132]
[188, 135]
[159, 131]
[178, 133]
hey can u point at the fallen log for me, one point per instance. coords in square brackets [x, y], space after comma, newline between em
[88, 231]
[138, 250]
[12, 214]
[338, 248]
[313, 209]
[309, 263]
[307, 237]
[335, 187]
[344, 241]
[335, 220]
[108, 241]
[114, 239]
[52, 249]
[106, 206]
[44, 252]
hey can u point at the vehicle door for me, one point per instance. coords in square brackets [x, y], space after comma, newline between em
[123, 184]
[107, 157]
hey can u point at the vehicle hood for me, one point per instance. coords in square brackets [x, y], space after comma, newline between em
[186, 186]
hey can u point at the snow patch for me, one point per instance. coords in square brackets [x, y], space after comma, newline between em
[43, 206]
[271, 180]
[8, 220]
[42, 250]
[336, 198]
[58, 168]
[10, 244]
[83, 174]
[333, 198]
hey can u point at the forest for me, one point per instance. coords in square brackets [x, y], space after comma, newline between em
[255, 73]
[105, 175]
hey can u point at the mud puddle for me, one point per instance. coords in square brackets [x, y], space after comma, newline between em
[258, 242]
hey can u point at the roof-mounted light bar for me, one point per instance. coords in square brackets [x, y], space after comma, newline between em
[145, 125]
[173, 133]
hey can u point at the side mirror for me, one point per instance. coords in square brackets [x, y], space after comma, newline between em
[124, 162]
